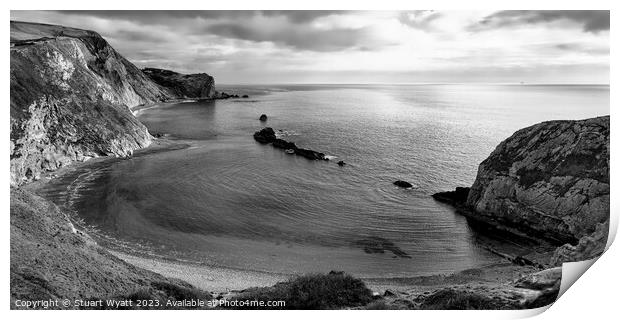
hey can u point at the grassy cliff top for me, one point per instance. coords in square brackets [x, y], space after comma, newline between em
[24, 31]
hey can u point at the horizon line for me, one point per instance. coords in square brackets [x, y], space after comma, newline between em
[418, 83]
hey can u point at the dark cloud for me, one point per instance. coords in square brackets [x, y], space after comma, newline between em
[161, 17]
[155, 16]
[291, 46]
[580, 47]
[298, 37]
[139, 36]
[290, 29]
[419, 19]
[302, 16]
[591, 20]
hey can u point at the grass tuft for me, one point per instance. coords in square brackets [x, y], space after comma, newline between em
[335, 290]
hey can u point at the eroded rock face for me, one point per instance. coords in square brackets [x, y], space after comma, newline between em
[71, 95]
[550, 179]
[589, 247]
[199, 85]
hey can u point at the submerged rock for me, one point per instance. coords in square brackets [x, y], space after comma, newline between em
[263, 117]
[403, 184]
[341, 163]
[245, 96]
[378, 245]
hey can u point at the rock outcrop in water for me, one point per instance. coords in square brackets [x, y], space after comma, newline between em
[268, 135]
[265, 135]
[71, 95]
[550, 180]
[200, 85]
[457, 198]
[403, 184]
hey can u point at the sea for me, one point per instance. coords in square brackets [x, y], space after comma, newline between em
[220, 198]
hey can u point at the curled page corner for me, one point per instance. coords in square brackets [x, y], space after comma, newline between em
[571, 271]
[613, 228]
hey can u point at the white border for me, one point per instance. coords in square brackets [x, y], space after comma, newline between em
[593, 296]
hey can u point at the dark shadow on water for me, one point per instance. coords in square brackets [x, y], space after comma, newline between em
[378, 245]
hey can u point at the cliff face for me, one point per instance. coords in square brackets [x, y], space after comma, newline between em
[550, 179]
[71, 95]
[199, 85]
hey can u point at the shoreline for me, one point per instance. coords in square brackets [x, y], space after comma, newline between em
[137, 110]
[225, 280]
[222, 279]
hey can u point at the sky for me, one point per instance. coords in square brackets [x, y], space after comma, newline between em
[260, 47]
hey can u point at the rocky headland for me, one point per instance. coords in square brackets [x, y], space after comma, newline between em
[549, 181]
[72, 95]
[200, 85]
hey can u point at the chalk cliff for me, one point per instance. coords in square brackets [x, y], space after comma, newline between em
[71, 99]
[71, 95]
[199, 85]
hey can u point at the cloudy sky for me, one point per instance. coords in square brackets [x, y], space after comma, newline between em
[357, 46]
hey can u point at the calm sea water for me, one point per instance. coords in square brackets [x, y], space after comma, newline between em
[227, 200]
